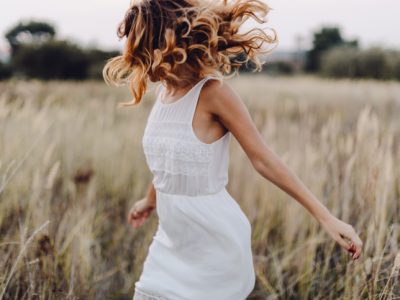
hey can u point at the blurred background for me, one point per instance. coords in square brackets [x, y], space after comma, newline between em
[72, 164]
[341, 39]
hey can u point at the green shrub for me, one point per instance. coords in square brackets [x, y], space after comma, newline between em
[375, 62]
[279, 68]
[5, 71]
[51, 60]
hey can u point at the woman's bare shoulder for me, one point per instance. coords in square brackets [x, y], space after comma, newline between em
[227, 105]
[220, 93]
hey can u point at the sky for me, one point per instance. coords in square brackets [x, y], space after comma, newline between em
[94, 22]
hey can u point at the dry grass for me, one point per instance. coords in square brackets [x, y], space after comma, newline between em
[71, 164]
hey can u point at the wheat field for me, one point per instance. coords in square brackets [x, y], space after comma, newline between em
[71, 165]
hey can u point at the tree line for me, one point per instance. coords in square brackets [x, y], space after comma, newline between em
[333, 56]
[36, 52]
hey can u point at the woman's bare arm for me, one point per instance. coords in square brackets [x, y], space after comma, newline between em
[227, 106]
[151, 195]
[142, 208]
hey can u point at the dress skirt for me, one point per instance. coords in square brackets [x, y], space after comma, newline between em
[200, 251]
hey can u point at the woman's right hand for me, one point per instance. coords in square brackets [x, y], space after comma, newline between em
[344, 234]
[139, 212]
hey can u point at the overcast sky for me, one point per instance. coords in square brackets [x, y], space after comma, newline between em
[93, 22]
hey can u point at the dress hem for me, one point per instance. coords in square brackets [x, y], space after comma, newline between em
[142, 295]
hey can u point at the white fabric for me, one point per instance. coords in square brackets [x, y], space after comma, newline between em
[140, 295]
[202, 247]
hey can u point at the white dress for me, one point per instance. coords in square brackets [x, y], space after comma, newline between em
[202, 247]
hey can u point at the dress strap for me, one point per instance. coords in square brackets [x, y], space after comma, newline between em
[158, 89]
[195, 98]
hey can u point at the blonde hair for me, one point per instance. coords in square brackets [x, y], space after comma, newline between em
[179, 42]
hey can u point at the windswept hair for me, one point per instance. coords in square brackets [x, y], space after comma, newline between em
[179, 42]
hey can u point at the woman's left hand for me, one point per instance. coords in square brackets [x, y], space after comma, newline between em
[344, 234]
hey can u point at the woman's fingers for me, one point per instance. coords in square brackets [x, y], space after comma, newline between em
[352, 243]
[139, 221]
[131, 216]
[342, 242]
[357, 245]
[136, 219]
[345, 235]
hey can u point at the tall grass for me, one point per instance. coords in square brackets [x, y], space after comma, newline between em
[71, 165]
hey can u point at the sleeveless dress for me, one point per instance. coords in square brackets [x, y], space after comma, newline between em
[202, 247]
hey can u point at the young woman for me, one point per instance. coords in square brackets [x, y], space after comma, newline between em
[202, 247]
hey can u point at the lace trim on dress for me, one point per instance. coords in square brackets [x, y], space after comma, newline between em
[173, 166]
[169, 148]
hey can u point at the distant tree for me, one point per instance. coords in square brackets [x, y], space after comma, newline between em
[374, 62]
[29, 32]
[279, 67]
[5, 71]
[97, 59]
[325, 39]
[51, 60]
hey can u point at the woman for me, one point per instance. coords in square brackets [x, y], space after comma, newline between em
[202, 247]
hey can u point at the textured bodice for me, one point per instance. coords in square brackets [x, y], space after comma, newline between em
[180, 162]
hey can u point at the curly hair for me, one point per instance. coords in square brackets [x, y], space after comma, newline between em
[178, 42]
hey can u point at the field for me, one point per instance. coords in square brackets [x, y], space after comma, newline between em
[71, 165]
